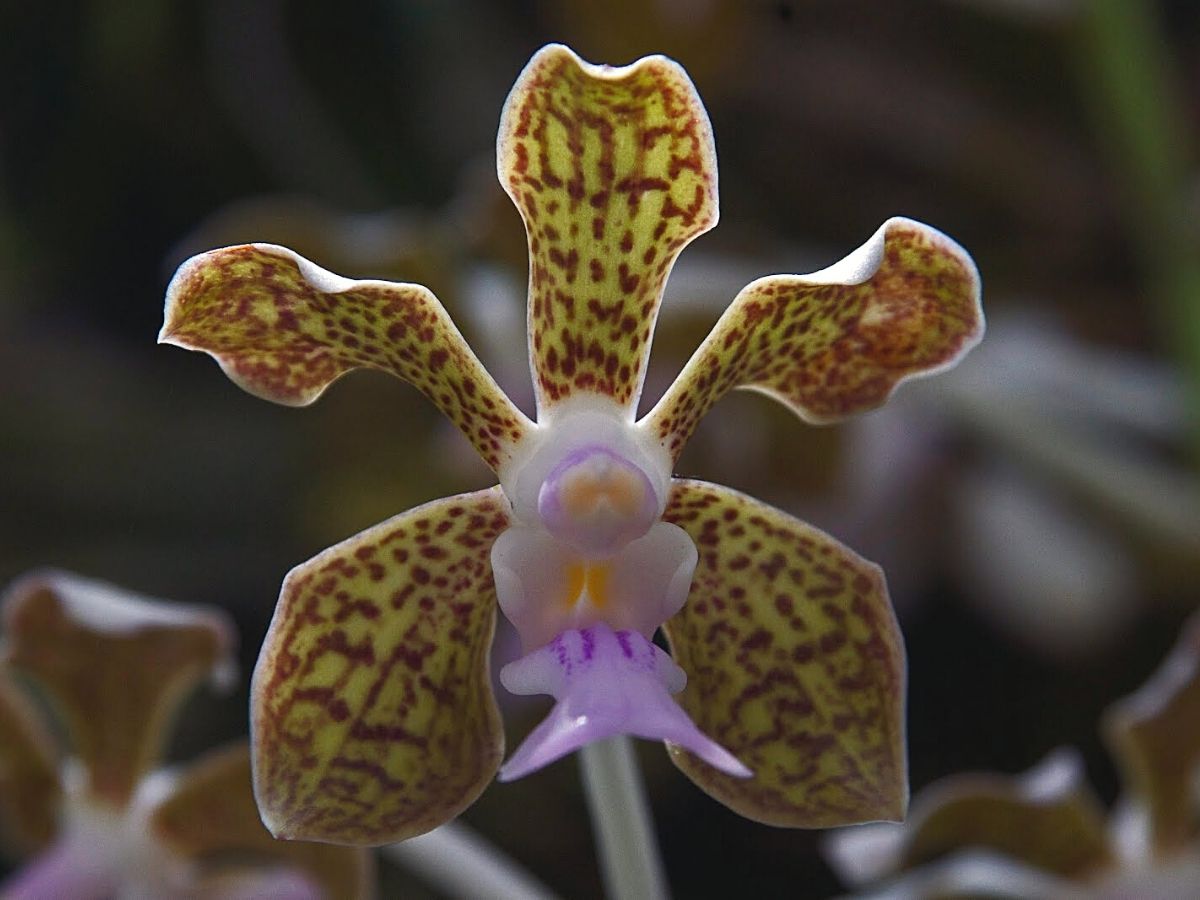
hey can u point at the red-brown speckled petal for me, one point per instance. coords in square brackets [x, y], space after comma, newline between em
[372, 715]
[284, 329]
[116, 667]
[614, 172]
[1155, 737]
[795, 665]
[839, 341]
[209, 817]
[29, 787]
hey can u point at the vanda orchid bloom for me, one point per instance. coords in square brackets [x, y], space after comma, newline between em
[373, 717]
[103, 819]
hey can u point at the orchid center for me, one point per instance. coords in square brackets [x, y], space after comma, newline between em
[597, 501]
[587, 583]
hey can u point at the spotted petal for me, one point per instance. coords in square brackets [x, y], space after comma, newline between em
[839, 341]
[209, 816]
[794, 662]
[115, 665]
[29, 785]
[1155, 737]
[372, 712]
[284, 329]
[614, 172]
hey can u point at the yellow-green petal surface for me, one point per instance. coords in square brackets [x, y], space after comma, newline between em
[29, 787]
[1155, 737]
[839, 341]
[614, 172]
[210, 817]
[115, 666]
[795, 665]
[284, 329]
[372, 715]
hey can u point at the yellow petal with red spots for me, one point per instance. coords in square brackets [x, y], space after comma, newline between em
[115, 665]
[29, 785]
[209, 816]
[372, 715]
[1155, 737]
[795, 665]
[839, 341]
[284, 329]
[614, 172]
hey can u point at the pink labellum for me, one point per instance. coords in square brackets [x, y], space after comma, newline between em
[606, 683]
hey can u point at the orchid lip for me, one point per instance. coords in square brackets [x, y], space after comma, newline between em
[606, 682]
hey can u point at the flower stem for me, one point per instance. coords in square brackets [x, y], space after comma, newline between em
[1134, 87]
[462, 863]
[624, 830]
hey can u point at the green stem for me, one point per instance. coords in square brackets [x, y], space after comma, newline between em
[1134, 92]
[624, 830]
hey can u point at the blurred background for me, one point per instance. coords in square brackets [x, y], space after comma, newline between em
[1037, 510]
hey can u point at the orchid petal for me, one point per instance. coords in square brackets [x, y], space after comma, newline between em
[209, 815]
[606, 683]
[29, 786]
[372, 712]
[614, 172]
[1048, 819]
[116, 665]
[284, 329]
[1155, 737]
[839, 341]
[795, 665]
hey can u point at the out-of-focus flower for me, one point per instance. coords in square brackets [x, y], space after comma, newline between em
[1070, 509]
[1044, 834]
[102, 818]
[373, 717]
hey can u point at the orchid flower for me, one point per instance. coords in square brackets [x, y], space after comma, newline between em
[373, 717]
[1045, 833]
[104, 820]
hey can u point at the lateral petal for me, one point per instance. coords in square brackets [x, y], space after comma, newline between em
[839, 341]
[209, 817]
[116, 666]
[795, 665]
[614, 172]
[372, 715]
[284, 329]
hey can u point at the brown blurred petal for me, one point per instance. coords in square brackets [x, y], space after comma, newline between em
[1155, 736]
[29, 785]
[1047, 818]
[115, 665]
[211, 817]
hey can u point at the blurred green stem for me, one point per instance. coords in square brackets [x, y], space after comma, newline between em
[624, 830]
[1133, 89]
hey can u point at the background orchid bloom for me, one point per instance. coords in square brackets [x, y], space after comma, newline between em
[102, 819]
[1045, 833]
[373, 715]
